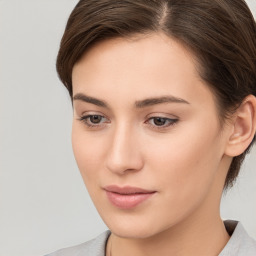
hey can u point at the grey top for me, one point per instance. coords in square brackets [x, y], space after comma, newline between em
[239, 244]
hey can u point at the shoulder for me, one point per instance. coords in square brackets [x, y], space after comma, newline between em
[94, 247]
[240, 243]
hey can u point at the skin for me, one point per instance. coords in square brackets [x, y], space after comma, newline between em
[184, 161]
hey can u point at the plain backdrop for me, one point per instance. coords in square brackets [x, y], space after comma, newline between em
[44, 205]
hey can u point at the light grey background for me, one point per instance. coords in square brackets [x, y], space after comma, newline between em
[43, 203]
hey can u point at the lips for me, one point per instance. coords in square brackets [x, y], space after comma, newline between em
[127, 197]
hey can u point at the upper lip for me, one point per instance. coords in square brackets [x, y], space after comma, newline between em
[126, 190]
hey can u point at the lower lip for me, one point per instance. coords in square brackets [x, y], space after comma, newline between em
[124, 201]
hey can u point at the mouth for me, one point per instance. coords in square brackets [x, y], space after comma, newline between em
[127, 197]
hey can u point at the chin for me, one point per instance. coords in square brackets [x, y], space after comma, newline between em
[133, 227]
[133, 232]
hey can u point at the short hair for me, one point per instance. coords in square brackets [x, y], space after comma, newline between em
[220, 33]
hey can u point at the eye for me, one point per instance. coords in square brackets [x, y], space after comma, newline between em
[161, 122]
[94, 120]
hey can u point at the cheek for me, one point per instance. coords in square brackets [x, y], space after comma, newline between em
[186, 163]
[89, 153]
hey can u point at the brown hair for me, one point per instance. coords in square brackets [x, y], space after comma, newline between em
[220, 33]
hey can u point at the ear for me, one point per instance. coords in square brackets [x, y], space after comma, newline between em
[243, 127]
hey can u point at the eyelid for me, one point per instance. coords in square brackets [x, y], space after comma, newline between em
[86, 115]
[162, 115]
[172, 122]
[93, 113]
[169, 121]
[165, 118]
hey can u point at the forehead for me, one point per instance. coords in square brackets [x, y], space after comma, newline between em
[152, 65]
[151, 48]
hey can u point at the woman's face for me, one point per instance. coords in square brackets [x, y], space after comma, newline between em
[146, 135]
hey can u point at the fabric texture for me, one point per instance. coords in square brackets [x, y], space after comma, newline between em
[239, 244]
[94, 247]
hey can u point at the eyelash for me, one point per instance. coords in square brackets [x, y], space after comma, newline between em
[86, 120]
[170, 122]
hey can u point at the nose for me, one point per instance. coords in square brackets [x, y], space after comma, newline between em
[125, 152]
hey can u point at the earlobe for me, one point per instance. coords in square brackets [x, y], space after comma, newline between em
[243, 127]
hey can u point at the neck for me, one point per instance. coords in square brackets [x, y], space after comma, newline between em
[208, 238]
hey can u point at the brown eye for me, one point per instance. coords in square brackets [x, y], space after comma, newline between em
[95, 119]
[159, 121]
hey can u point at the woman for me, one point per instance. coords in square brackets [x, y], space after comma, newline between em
[164, 103]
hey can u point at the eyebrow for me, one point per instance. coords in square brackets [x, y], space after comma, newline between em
[159, 100]
[138, 104]
[88, 99]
